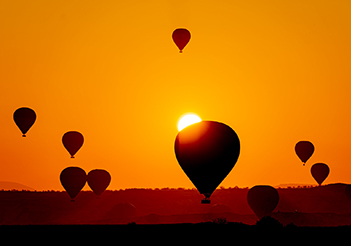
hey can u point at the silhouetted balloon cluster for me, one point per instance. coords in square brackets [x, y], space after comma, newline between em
[206, 151]
[319, 171]
[263, 199]
[73, 179]
[25, 118]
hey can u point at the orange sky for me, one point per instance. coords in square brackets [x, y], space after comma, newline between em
[275, 71]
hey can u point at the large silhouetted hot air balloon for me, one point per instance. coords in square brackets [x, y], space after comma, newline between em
[320, 172]
[262, 199]
[24, 119]
[72, 142]
[181, 38]
[98, 180]
[73, 180]
[207, 151]
[304, 150]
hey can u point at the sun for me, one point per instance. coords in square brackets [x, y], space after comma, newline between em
[188, 119]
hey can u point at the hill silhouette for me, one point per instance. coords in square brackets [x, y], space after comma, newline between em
[304, 206]
[4, 185]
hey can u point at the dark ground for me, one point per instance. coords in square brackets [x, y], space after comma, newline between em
[200, 233]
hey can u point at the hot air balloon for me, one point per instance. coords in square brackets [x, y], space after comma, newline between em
[73, 180]
[181, 38]
[304, 150]
[207, 151]
[262, 199]
[72, 142]
[320, 172]
[98, 180]
[24, 119]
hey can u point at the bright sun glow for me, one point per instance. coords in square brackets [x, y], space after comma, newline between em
[187, 120]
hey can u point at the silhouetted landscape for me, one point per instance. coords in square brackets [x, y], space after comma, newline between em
[116, 94]
[302, 206]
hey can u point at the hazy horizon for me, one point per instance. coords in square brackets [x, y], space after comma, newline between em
[8, 187]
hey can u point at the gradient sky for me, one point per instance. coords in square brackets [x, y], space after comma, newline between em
[277, 72]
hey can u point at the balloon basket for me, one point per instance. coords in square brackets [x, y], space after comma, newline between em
[24, 135]
[206, 201]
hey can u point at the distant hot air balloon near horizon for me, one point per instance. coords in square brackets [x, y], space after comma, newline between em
[73, 180]
[98, 180]
[262, 199]
[72, 141]
[24, 119]
[320, 172]
[207, 151]
[181, 38]
[304, 150]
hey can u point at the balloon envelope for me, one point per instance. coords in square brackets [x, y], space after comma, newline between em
[73, 180]
[98, 180]
[181, 38]
[262, 199]
[207, 151]
[24, 119]
[304, 150]
[320, 172]
[72, 142]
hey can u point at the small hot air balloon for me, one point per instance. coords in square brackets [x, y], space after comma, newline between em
[24, 119]
[262, 199]
[304, 150]
[98, 180]
[73, 180]
[72, 142]
[181, 38]
[207, 151]
[320, 172]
